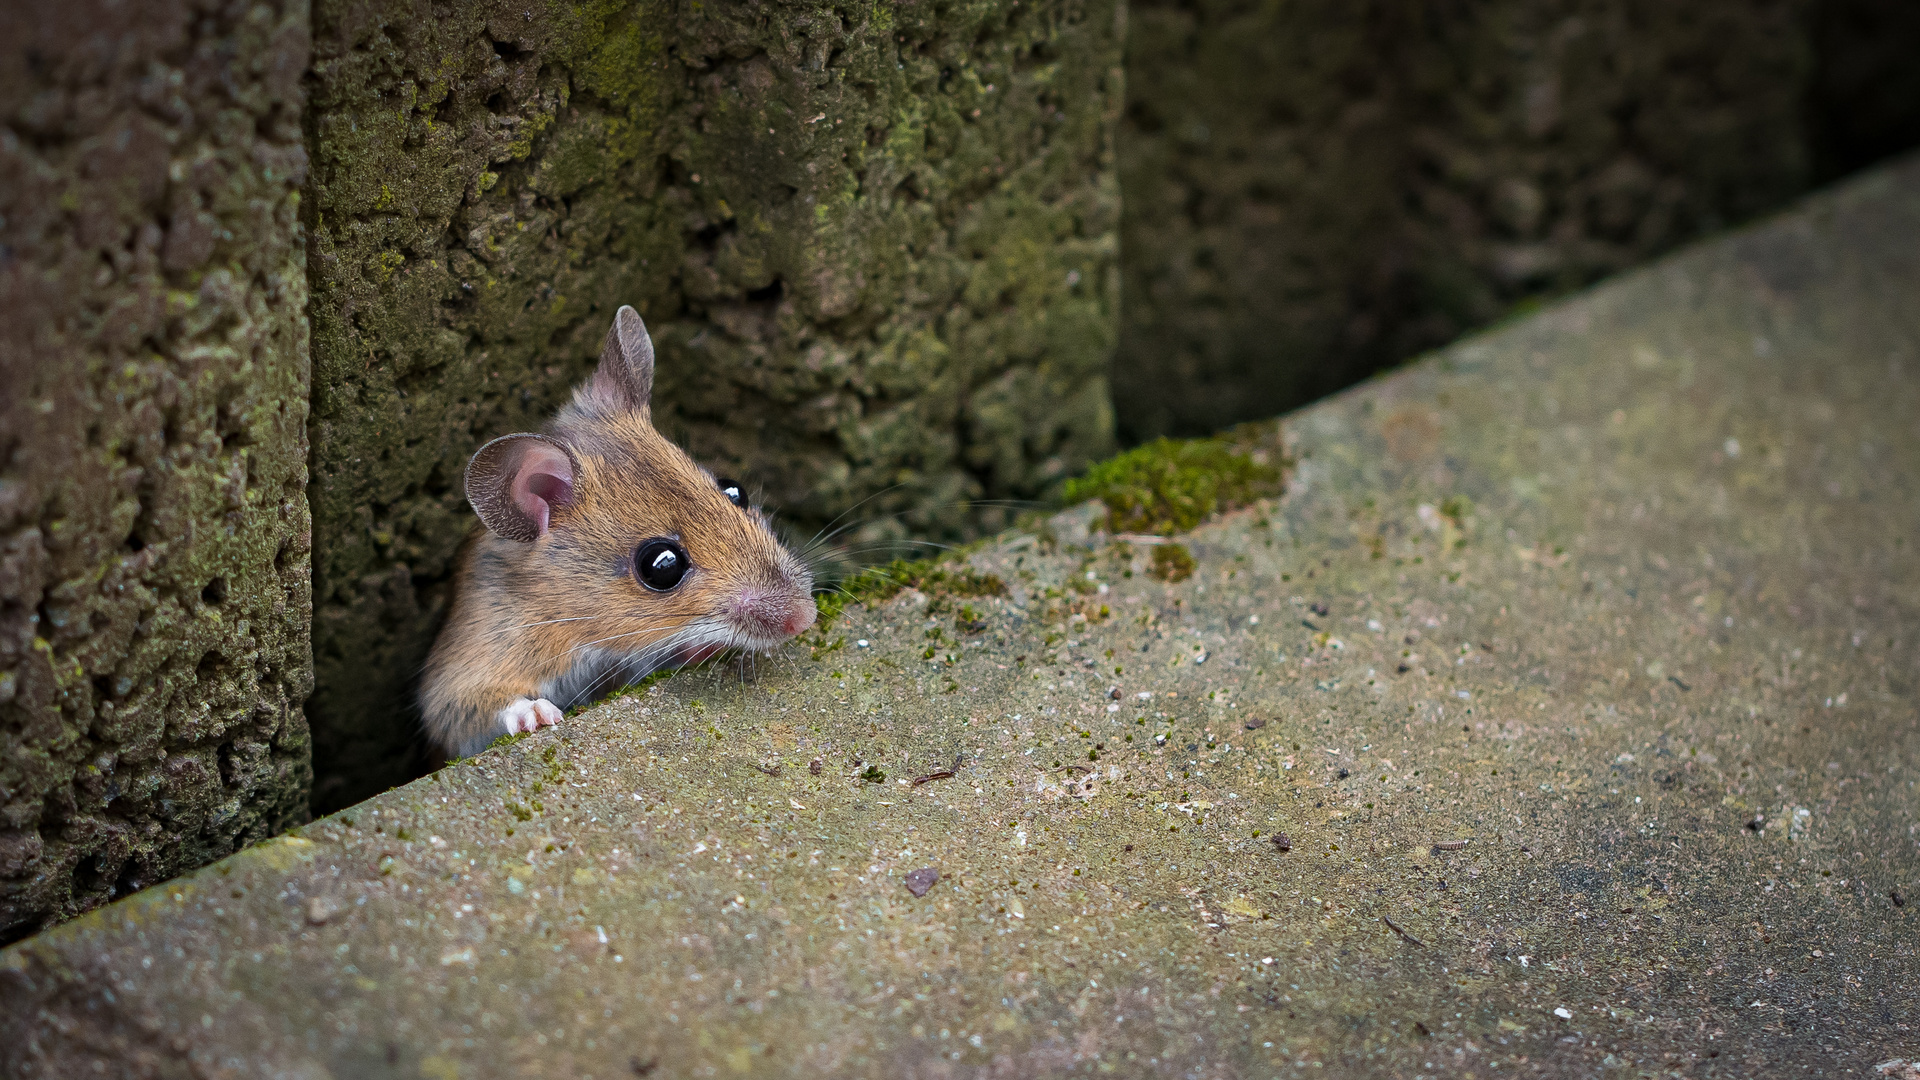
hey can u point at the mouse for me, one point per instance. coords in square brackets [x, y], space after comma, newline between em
[602, 553]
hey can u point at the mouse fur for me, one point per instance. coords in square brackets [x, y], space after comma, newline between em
[548, 610]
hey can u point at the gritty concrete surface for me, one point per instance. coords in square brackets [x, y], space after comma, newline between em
[876, 245]
[1577, 669]
[154, 587]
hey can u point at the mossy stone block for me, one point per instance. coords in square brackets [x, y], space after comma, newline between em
[875, 245]
[154, 581]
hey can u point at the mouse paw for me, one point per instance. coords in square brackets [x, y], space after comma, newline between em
[528, 715]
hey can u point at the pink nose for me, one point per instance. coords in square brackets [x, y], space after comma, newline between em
[800, 615]
[775, 615]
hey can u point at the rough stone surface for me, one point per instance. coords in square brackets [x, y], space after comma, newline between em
[1314, 190]
[875, 243]
[153, 535]
[1583, 689]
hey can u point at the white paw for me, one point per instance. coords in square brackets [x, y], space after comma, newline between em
[528, 715]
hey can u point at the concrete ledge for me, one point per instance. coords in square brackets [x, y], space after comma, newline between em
[1578, 669]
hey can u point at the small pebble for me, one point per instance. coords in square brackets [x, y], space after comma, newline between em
[919, 881]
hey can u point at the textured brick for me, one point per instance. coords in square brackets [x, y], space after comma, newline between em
[153, 533]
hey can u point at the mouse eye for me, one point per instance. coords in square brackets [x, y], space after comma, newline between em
[732, 490]
[660, 564]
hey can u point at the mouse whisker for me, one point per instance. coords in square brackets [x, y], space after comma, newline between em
[550, 622]
[630, 633]
[822, 538]
[835, 583]
[619, 637]
[687, 629]
[819, 543]
[606, 679]
[890, 546]
[591, 691]
[622, 637]
[626, 666]
[855, 506]
[886, 545]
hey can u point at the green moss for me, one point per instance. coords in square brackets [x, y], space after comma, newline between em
[1171, 485]
[941, 581]
[503, 741]
[1171, 562]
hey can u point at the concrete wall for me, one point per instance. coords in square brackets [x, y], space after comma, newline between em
[875, 244]
[1316, 189]
[153, 404]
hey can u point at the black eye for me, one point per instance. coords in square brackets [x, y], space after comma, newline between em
[731, 489]
[660, 564]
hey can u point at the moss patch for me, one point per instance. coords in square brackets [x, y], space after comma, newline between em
[1171, 562]
[1172, 485]
[941, 581]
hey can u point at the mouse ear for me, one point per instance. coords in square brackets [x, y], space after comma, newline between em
[516, 482]
[625, 376]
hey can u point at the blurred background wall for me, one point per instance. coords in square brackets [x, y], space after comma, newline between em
[1314, 190]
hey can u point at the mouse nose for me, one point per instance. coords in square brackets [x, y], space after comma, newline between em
[800, 615]
[773, 613]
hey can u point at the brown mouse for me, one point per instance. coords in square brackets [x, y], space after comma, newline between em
[605, 554]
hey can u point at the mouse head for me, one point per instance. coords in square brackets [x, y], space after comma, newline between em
[608, 523]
